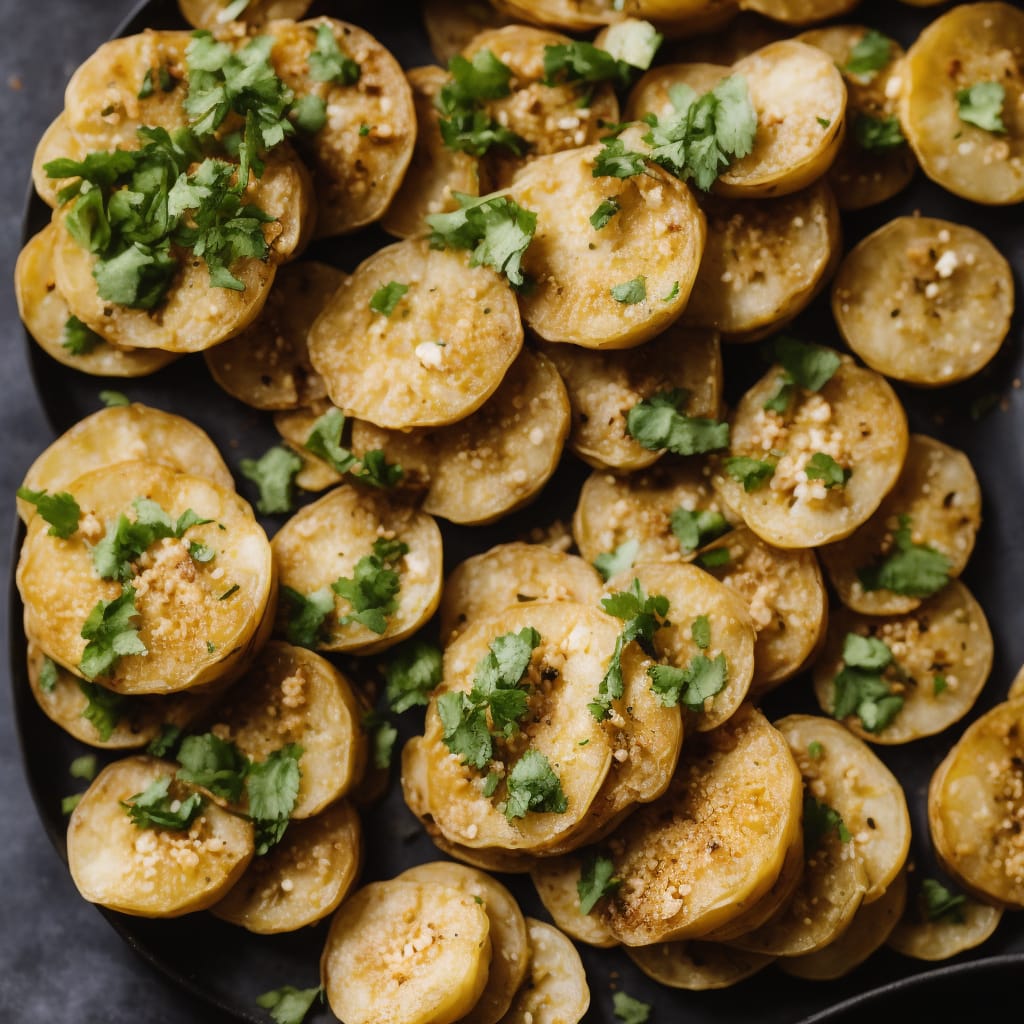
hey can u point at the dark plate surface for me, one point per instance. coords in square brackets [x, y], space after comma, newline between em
[229, 967]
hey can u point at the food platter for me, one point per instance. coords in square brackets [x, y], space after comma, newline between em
[228, 967]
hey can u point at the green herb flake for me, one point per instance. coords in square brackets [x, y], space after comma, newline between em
[111, 635]
[309, 114]
[824, 122]
[860, 689]
[809, 366]
[48, 676]
[704, 677]
[288, 1005]
[715, 558]
[659, 424]
[146, 89]
[673, 293]
[580, 61]
[752, 473]
[597, 880]
[533, 786]
[823, 467]
[69, 803]
[165, 742]
[387, 297]
[982, 106]
[937, 903]
[214, 764]
[611, 563]
[364, 130]
[372, 591]
[814, 750]
[606, 209]
[83, 767]
[274, 474]
[490, 785]
[878, 133]
[60, 510]
[819, 821]
[633, 41]
[939, 685]
[615, 161]
[154, 807]
[78, 338]
[114, 398]
[382, 735]
[630, 1010]
[327, 63]
[700, 631]
[273, 787]
[695, 529]
[915, 570]
[629, 293]
[869, 55]
[412, 674]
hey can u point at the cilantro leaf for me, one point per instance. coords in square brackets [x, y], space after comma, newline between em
[274, 473]
[630, 1010]
[497, 230]
[752, 473]
[103, 709]
[214, 764]
[110, 635]
[714, 559]
[413, 672]
[823, 467]
[874, 133]
[309, 114]
[915, 570]
[606, 209]
[533, 786]
[860, 689]
[382, 736]
[387, 297]
[69, 803]
[629, 293]
[611, 563]
[579, 61]
[273, 787]
[657, 423]
[165, 742]
[597, 879]
[372, 591]
[706, 133]
[869, 54]
[695, 529]
[615, 161]
[702, 678]
[60, 510]
[48, 677]
[936, 902]
[939, 685]
[114, 398]
[814, 750]
[982, 106]
[328, 64]
[809, 366]
[78, 338]
[375, 470]
[465, 730]
[324, 441]
[154, 807]
[634, 42]
[819, 820]
[288, 1005]
[83, 767]
[701, 632]
[866, 652]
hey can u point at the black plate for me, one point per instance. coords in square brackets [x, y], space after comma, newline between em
[228, 967]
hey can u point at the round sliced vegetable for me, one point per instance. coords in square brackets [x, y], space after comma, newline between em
[364, 572]
[302, 879]
[129, 851]
[211, 14]
[697, 966]
[58, 142]
[556, 990]
[924, 300]
[799, 12]
[943, 926]
[557, 881]
[574, 15]
[451, 24]
[295, 427]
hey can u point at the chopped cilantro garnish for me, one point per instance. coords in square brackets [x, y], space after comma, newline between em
[874, 133]
[154, 807]
[114, 398]
[465, 731]
[214, 764]
[695, 529]
[752, 473]
[83, 767]
[48, 676]
[814, 750]
[643, 617]
[915, 570]
[597, 879]
[110, 635]
[615, 161]
[691, 686]
[372, 591]
[809, 366]
[496, 230]
[387, 297]
[103, 709]
[274, 473]
[701, 632]
[69, 803]
[939, 685]
[819, 820]
[327, 63]
[705, 134]
[309, 114]
[869, 54]
[633, 41]
[657, 423]
[60, 510]
[825, 122]
[324, 441]
[533, 786]
[273, 787]
[673, 293]
[715, 558]
[629, 293]
[823, 467]
[382, 735]
[78, 338]
[579, 61]
[860, 688]
[630, 1010]
[412, 673]
[164, 743]
[982, 106]
[610, 563]
[936, 902]
[146, 89]
[306, 615]
[606, 209]
[288, 1005]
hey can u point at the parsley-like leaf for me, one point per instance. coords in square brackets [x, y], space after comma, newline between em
[154, 808]
[701, 632]
[715, 558]
[630, 1010]
[48, 677]
[309, 114]
[597, 879]
[606, 209]
[869, 54]
[83, 767]
[69, 803]
[580, 61]
[819, 820]
[382, 735]
[103, 708]
[372, 591]
[809, 366]
[915, 570]
[860, 689]
[695, 529]
[78, 338]
[413, 672]
[465, 730]
[534, 786]
[328, 64]
[615, 161]
[274, 473]
[982, 106]
[873, 133]
[387, 296]
[112, 399]
[60, 510]
[629, 293]
[823, 467]
[657, 423]
[110, 634]
[611, 563]
[273, 787]
[214, 764]
[939, 685]
[634, 42]
[702, 678]
[288, 1005]
[496, 230]
[752, 473]
[373, 468]
[936, 902]
[163, 744]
